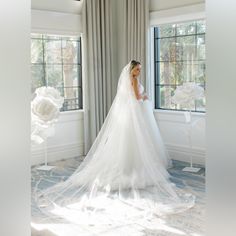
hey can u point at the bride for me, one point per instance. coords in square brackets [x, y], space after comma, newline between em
[124, 175]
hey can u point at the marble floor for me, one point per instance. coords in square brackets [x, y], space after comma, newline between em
[188, 223]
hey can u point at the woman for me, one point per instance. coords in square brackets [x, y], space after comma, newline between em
[126, 167]
[134, 73]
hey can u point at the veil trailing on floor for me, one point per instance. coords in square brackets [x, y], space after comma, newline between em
[124, 175]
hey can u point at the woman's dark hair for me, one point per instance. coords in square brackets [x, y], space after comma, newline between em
[134, 63]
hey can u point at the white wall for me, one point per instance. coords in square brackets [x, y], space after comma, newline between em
[63, 6]
[67, 142]
[158, 5]
[68, 139]
[55, 22]
[174, 131]
[180, 14]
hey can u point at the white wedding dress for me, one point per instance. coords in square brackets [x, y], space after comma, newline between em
[124, 177]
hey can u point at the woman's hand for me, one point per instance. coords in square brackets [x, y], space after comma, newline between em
[145, 97]
[136, 90]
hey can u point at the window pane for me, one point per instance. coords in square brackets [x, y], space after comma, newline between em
[179, 72]
[70, 73]
[36, 51]
[186, 28]
[200, 73]
[167, 49]
[70, 104]
[37, 77]
[69, 51]
[167, 73]
[53, 51]
[54, 75]
[71, 93]
[201, 26]
[201, 49]
[71, 98]
[61, 90]
[186, 72]
[56, 62]
[167, 30]
[186, 48]
[190, 71]
[166, 92]
[179, 57]
[201, 104]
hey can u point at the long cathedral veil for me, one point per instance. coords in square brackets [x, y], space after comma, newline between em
[125, 171]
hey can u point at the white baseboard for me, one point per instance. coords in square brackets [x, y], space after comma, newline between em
[56, 152]
[59, 152]
[182, 153]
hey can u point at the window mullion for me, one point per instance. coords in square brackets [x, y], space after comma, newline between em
[193, 62]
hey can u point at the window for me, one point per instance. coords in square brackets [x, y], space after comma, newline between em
[179, 56]
[56, 62]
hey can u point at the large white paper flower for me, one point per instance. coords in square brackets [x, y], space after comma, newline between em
[40, 131]
[43, 108]
[187, 93]
[37, 130]
[52, 93]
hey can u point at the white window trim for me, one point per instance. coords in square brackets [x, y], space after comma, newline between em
[63, 113]
[158, 18]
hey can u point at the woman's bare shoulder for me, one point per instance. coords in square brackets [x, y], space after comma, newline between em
[134, 78]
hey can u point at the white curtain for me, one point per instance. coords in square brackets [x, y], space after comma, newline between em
[136, 22]
[97, 66]
[114, 32]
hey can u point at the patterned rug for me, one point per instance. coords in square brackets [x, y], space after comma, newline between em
[188, 223]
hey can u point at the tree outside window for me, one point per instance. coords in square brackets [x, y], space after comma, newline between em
[179, 57]
[56, 62]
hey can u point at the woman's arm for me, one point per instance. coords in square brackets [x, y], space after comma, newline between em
[136, 90]
[145, 97]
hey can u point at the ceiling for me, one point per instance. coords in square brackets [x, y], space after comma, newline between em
[75, 7]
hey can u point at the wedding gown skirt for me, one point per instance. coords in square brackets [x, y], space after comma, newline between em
[125, 172]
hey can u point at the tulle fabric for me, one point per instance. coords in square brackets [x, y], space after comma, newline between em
[124, 175]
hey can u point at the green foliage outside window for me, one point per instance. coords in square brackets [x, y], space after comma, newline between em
[179, 57]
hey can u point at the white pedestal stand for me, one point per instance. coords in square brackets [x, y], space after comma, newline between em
[189, 122]
[45, 166]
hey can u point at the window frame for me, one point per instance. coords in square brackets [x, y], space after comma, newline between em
[78, 64]
[156, 70]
